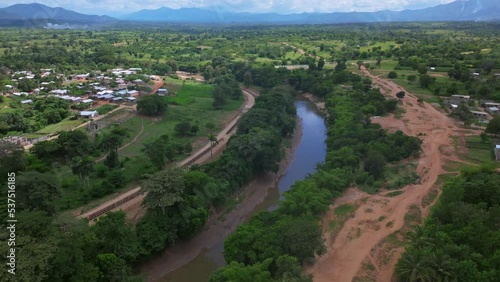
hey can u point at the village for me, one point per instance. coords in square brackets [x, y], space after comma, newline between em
[87, 95]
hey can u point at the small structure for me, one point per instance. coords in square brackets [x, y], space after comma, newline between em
[432, 68]
[133, 93]
[131, 99]
[494, 111]
[491, 104]
[457, 99]
[162, 91]
[478, 114]
[29, 101]
[89, 114]
[453, 107]
[117, 99]
[497, 153]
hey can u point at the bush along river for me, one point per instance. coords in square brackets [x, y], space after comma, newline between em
[184, 262]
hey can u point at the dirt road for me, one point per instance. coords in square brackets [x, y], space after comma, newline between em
[158, 83]
[130, 201]
[360, 240]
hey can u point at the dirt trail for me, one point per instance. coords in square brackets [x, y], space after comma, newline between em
[130, 201]
[158, 83]
[347, 253]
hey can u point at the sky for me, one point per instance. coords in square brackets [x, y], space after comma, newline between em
[122, 7]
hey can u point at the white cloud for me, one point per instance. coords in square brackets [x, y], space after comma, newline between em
[279, 6]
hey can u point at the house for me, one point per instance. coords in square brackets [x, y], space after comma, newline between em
[162, 91]
[475, 74]
[133, 93]
[494, 111]
[8, 86]
[491, 104]
[453, 107]
[89, 114]
[432, 68]
[122, 86]
[131, 99]
[117, 99]
[135, 69]
[29, 101]
[87, 101]
[497, 153]
[457, 99]
[478, 114]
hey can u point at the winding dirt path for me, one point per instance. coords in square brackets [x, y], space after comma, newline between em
[378, 216]
[129, 143]
[130, 201]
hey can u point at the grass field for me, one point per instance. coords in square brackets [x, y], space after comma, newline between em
[193, 104]
[104, 109]
[64, 125]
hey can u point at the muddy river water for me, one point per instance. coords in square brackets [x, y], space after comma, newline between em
[310, 151]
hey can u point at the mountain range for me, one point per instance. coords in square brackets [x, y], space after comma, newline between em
[460, 10]
[38, 14]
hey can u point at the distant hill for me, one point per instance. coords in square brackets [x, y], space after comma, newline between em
[461, 10]
[38, 14]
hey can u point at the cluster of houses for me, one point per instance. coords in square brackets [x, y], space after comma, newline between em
[113, 87]
[490, 108]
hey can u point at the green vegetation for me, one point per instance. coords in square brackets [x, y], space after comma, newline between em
[77, 167]
[357, 153]
[104, 109]
[458, 240]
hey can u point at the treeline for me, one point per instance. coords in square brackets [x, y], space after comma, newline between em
[273, 246]
[33, 117]
[178, 201]
[459, 241]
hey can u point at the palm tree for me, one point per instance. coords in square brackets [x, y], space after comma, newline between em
[414, 267]
[83, 166]
[442, 266]
[213, 141]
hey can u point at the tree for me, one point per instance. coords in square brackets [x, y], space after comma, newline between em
[12, 158]
[247, 78]
[321, 64]
[75, 143]
[422, 69]
[112, 268]
[183, 128]
[359, 63]
[213, 141]
[400, 94]
[493, 126]
[152, 105]
[83, 166]
[163, 189]
[425, 80]
[413, 267]
[159, 149]
[110, 142]
[392, 75]
[37, 191]
[374, 163]
[115, 237]
[411, 78]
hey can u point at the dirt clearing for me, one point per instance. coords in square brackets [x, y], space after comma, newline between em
[369, 243]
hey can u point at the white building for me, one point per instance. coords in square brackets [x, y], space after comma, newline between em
[89, 114]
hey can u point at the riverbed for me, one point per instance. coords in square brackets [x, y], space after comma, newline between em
[182, 263]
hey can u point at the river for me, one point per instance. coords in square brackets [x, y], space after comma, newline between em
[310, 151]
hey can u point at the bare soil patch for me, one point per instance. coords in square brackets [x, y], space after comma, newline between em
[382, 221]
